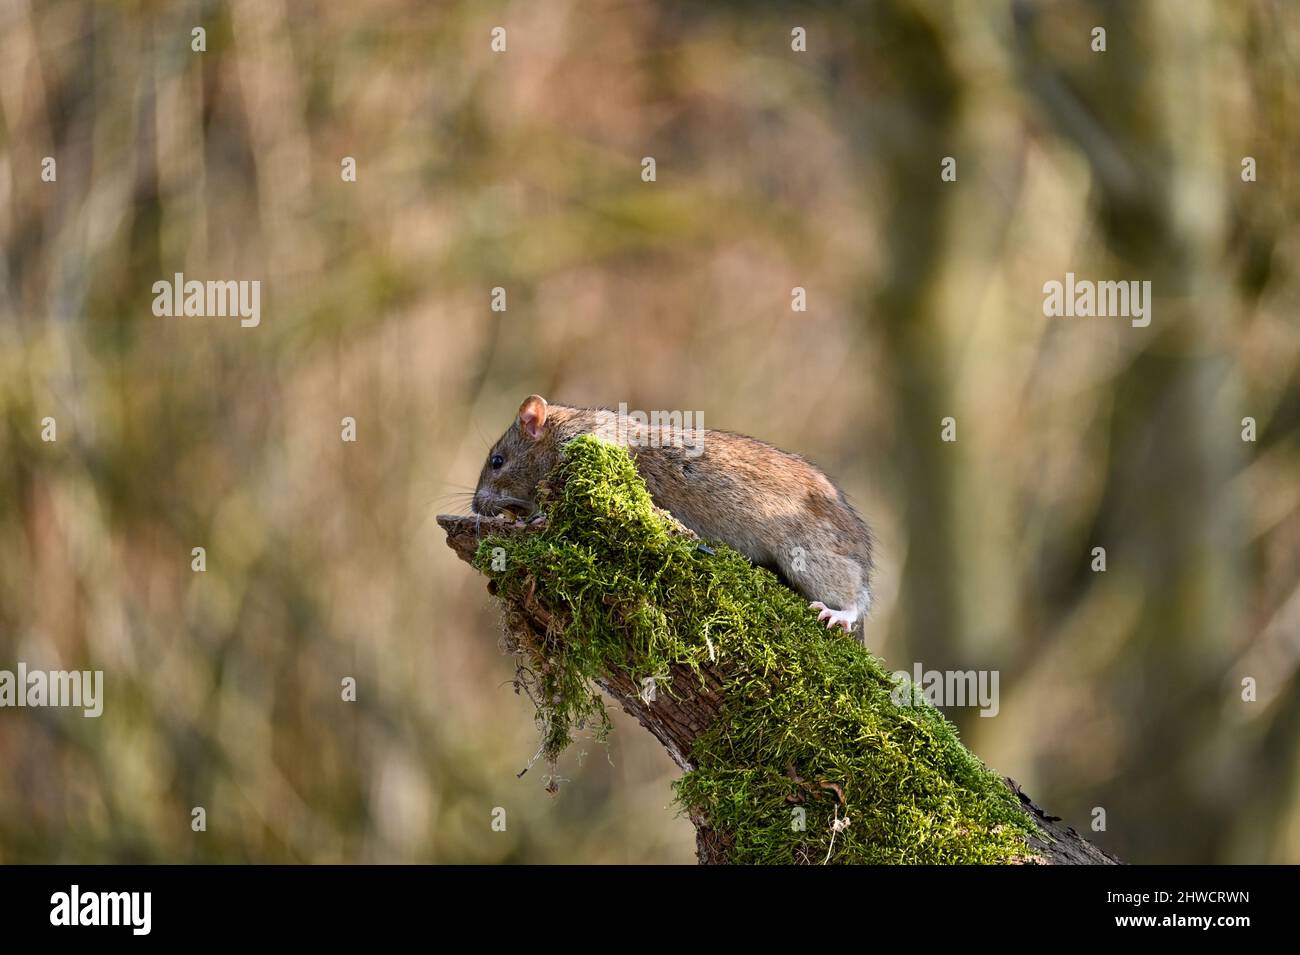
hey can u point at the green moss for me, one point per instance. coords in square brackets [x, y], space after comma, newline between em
[809, 722]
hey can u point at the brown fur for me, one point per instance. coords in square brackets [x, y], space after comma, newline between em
[772, 506]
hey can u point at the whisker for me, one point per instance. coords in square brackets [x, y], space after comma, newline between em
[462, 499]
[454, 496]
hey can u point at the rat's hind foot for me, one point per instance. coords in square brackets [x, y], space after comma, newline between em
[836, 618]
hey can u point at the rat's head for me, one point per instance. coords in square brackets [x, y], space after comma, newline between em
[517, 463]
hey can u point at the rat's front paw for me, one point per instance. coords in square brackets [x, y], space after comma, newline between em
[836, 618]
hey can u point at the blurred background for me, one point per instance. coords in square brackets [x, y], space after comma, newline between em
[521, 170]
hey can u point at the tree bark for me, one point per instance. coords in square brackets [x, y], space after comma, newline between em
[677, 720]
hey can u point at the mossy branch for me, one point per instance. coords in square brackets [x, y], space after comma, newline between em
[783, 730]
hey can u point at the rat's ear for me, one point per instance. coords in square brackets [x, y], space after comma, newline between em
[532, 416]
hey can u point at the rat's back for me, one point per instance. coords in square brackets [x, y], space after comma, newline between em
[774, 507]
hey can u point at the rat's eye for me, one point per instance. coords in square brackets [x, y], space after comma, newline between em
[497, 462]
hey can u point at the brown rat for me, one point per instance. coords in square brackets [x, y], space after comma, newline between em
[774, 507]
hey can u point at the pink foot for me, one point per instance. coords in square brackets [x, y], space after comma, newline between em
[845, 619]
